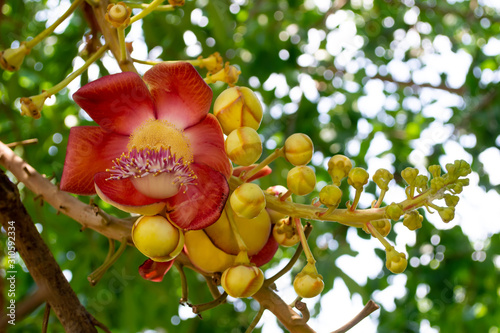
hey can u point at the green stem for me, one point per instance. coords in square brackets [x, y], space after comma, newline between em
[277, 153]
[96, 276]
[303, 241]
[356, 199]
[380, 199]
[41, 36]
[152, 6]
[256, 320]
[184, 285]
[210, 305]
[293, 260]
[377, 234]
[123, 47]
[58, 87]
[164, 8]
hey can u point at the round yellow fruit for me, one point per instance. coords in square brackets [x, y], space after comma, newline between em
[298, 149]
[247, 200]
[242, 280]
[301, 180]
[243, 146]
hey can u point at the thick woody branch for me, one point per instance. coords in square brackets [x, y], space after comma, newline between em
[40, 261]
[369, 308]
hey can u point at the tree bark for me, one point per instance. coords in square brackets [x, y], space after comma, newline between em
[40, 261]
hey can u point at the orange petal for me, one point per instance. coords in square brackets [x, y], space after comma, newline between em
[262, 173]
[123, 195]
[154, 271]
[119, 102]
[201, 204]
[207, 145]
[180, 94]
[90, 150]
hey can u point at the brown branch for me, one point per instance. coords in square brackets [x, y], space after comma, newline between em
[22, 143]
[285, 314]
[369, 308]
[40, 261]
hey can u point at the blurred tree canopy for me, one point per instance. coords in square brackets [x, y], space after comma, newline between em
[387, 83]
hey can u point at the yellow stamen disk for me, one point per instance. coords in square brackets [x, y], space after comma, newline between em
[156, 134]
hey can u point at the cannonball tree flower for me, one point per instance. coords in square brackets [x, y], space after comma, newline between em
[156, 147]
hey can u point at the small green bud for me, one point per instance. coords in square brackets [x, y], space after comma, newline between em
[447, 214]
[357, 178]
[451, 200]
[330, 195]
[413, 220]
[435, 170]
[338, 168]
[383, 226]
[395, 262]
[382, 177]
[422, 183]
[394, 211]
[409, 175]
[12, 59]
[437, 183]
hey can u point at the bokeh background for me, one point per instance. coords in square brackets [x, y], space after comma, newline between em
[388, 83]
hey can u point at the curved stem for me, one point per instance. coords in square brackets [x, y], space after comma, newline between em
[369, 308]
[303, 241]
[96, 275]
[184, 285]
[377, 234]
[164, 8]
[255, 320]
[380, 198]
[41, 36]
[152, 6]
[210, 305]
[277, 153]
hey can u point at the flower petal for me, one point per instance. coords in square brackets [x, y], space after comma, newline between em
[119, 102]
[267, 253]
[123, 195]
[180, 94]
[90, 150]
[261, 173]
[154, 270]
[207, 144]
[201, 204]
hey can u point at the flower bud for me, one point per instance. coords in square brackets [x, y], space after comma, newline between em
[382, 177]
[242, 281]
[243, 146]
[357, 178]
[301, 180]
[157, 238]
[330, 195]
[298, 149]
[212, 63]
[247, 200]
[32, 106]
[409, 175]
[118, 14]
[12, 59]
[451, 200]
[277, 190]
[437, 183]
[435, 171]
[422, 183]
[383, 226]
[394, 211]
[238, 107]
[413, 220]
[447, 214]
[308, 283]
[285, 233]
[228, 74]
[338, 168]
[396, 262]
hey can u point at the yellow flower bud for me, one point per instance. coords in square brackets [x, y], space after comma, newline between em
[451, 200]
[157, 238]
[285, 233]
[394, 211]
[242, 280]
[213, 63]
[382, 177]
[358, 177]
[413, 220]
[32, 106]
[409, 175]
[298, 149]
[396, 262]
[383, 226]
[301, 180]
[308, 283]
[243, 146]
[238, 107]
[118, 14]
[339, 167]
[248, 200]
[228, 74]
[330, 195]
[435, 170]
[12, 59]
[447, 214]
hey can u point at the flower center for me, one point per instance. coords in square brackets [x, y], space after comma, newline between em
[158, 159]
[157, 134]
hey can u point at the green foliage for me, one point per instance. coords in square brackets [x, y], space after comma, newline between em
[461, 282]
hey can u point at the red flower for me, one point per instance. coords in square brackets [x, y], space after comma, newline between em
[155, 148]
